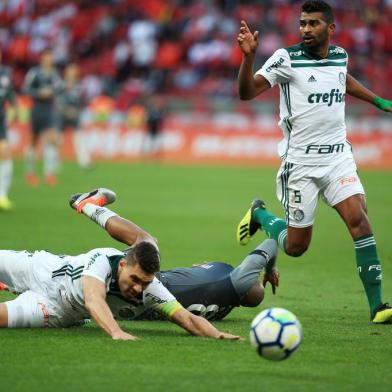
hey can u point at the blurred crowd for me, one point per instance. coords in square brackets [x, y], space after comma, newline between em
[128, 48]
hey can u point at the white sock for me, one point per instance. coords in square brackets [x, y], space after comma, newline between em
[81, 150]
[98, 214]
[6, 167]
[51, 159]
[30, 160]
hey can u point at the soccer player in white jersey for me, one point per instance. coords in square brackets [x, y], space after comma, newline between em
[317, 159]
[62, 290]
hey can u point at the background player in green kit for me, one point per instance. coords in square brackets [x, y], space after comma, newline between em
[43, 84]
[7, 94]
[317, 159]
[70, 104]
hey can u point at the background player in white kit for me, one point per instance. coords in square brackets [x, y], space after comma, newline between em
[62, 291]
[316, 157]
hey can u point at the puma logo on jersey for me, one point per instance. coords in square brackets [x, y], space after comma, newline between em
[333, 96]
[312, 79]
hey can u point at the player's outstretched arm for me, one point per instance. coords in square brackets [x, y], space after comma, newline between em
[95, 303]
[199, 326]
[357, 90]
[92, 204]
[249, 86]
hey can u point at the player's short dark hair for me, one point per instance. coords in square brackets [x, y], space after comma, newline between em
[146, 255]
[319, 6]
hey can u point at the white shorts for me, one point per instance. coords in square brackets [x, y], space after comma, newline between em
[30, 310]
[33, 310]
[39, 304]
[15, 271]
[298, 187]
[23, 270]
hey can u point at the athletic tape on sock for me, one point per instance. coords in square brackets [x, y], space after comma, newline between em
[98, 214]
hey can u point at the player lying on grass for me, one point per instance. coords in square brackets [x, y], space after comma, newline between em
[62, 291]
[211, 289]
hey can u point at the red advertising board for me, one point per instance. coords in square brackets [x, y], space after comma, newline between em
[205, 143]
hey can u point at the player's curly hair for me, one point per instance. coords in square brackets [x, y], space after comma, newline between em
[319, 6]
[146, 255]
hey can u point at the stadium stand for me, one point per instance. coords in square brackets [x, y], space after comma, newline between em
[183, 48]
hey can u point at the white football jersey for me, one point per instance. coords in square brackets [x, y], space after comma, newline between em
[312, 104]
[60, 277]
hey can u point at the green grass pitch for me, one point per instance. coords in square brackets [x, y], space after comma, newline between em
[194, 212]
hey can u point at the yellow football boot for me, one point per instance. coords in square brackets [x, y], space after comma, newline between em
[6, 204]
[248, 226]
[382, 315]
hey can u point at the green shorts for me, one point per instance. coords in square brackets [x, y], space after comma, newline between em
[3, 127]
[42, 119]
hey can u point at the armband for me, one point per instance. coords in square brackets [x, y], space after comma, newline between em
[170, 308]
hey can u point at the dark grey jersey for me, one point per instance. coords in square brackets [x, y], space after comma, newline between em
[205, 290]
[38, 79]
[70, 98]
[7, 92]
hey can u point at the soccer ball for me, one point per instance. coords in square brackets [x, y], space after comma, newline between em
[276, 333]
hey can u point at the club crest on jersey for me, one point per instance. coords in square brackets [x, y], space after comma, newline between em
[337, 50]
[342, 78]
[298, 215]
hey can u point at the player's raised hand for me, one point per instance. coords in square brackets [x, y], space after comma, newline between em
[247, 40]
[121, 335]
[273, 278]
[229, 336]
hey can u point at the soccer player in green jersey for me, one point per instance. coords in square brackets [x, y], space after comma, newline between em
[43, 84]
[317, 159]
[70, 104]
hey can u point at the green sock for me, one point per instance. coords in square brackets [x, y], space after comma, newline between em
[275, 228]
[369, 268]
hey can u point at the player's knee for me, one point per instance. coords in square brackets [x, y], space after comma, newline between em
[254, 296]
[359, 223]
[296, 249]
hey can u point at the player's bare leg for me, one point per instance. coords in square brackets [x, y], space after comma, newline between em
[92, 204]
[51, 142]
[298, 240]
[3, 316]
[31, 157]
